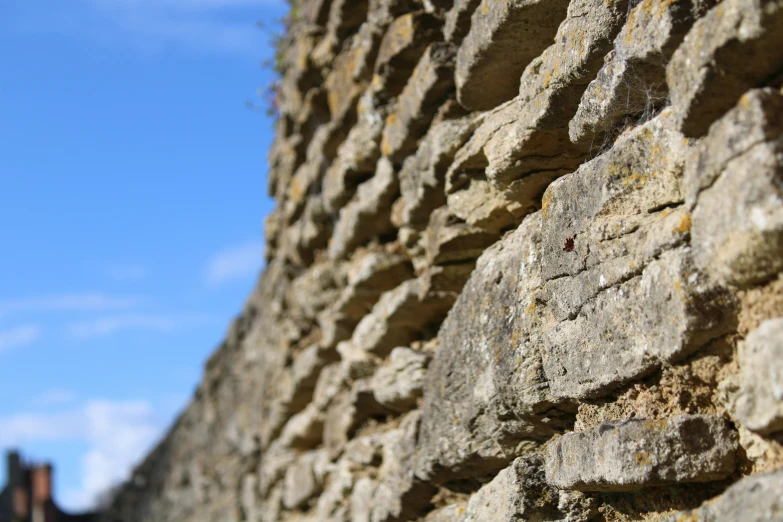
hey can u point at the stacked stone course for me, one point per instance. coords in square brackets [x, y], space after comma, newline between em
[525, 264]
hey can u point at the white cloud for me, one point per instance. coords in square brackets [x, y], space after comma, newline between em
[118, 434]
[237, 262]
[200, 25]
[105, 326]
[84, 302]
[19, 336]
[53, 397]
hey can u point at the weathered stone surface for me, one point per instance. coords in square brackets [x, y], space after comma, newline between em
[399, 384]
[356, 160]
[591, 292]
[752, 499]
[759, 406]
[504, 37]
[635, 453]
[631, 85]
[431, 81]
[368, 215]
[457, 22]
[448, 240]
[399, 317]
[401, 48]
[346, 413]
[400, 494]
[734, 182]
[711, 69]
[520, 492]
[423, 175]
[521, 146]
[304, 479]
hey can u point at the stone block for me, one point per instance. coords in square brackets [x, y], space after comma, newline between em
[431, 81]
[368, 215]
[399, 384]
[759, 405]
[636, 453]
[631, 85]
[400, 494]
[504, 37]
[520, 492]
[733, 182]
[710, 70]
[402, 47]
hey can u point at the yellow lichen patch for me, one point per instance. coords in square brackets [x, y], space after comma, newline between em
[685, 225]
[643, 459]
[656, 425]
[635, 179]
[545, 201]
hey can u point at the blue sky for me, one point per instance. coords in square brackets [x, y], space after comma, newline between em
[132, 198]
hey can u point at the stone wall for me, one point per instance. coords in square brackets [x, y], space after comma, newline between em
[524, 265]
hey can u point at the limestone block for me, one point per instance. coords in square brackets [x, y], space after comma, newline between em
[734, 183]
[356, 160]
[759, 406]
[399, 384]
[457, 23]
[431, 81]
[304, 479]
[402, 47]
[400, 494]
[399, 317]
[448, 240]
[369, 276]
[521, 146]
[711, 69]
[595, 290]
[423, 175]
[304, 430]
[504, 37]
[362, 499]
[752, 499]
[520, 492]
[635, 453]
[632, 82]
[368, 215]
[348, 410]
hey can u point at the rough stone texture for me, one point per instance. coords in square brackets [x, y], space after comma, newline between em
[521, 146]
[735, 183]
[631, 84]
[504, 37]
[760, 403]
[557, 301]
[520, 492]
[753, 499]
[431, 81]
[632, 454]
[710, 70]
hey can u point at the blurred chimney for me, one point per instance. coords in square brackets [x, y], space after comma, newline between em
[42, 484]
[14, 468]
[21, 503]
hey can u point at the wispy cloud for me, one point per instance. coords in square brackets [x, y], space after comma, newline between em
[199, 25]
[53, 397]
[235, 263]
[118, 434]
[19, 336]
[106, 326]
[84, 302]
